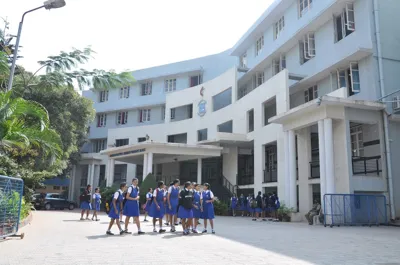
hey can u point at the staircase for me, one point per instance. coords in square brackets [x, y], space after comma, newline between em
[223, 189]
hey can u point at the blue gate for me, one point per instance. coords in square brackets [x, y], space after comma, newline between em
[354, 209]
[11, 192]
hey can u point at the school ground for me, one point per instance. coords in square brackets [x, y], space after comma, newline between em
[59, 238]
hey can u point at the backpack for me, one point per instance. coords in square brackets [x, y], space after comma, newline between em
[253, 204]
[109, 202]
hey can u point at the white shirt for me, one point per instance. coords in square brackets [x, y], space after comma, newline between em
[211, 193]
[116, 194]
[94, 196]
[130, 189]
[155, 192]
[148, 195]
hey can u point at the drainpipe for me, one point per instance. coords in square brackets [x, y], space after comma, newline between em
[384, 114]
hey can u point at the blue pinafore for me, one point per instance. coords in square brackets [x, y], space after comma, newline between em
[112, 213]
[208, 207]
[96, 202]
[197, 213]
[174, 200]
[234, 203]
[154, 211]
[131, 208]
[148, 202]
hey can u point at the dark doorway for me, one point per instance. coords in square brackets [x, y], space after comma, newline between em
[188, 171]
[211, 169]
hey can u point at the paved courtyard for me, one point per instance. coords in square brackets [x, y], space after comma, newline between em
[59, 238]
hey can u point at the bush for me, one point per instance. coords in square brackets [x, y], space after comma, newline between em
[284, 213]
[220, 207]
[106, 194]
[25, 209]
[10, 205]
[149, 182]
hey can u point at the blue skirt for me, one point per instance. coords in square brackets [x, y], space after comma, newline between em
[197, 213]
[131, 208]
[258, 210]
[234, 206]
[156, 213]
[112, 213]
[96, 206]
[208, 211]
[243, 207]
[174, 207]
[185, 213]
[147, 206]
[250, 210]
[86, 205]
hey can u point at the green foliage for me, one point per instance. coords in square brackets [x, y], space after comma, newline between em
[284, 213]
[148, 182]
[220, 207]
[10, 205]
[106, 194]
[25, 209]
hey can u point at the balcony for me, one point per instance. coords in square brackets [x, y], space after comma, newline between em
[366, 165]
[270, 176]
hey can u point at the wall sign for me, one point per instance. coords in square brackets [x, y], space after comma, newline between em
[202, 91]
[129, 152]
[202, 108]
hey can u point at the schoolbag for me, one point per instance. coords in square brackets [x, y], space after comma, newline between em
[109, 202]
[253, 204]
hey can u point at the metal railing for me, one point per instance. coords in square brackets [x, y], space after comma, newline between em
[366, 165]
[270, 176]
[11, 192]
[314, 170]
[245, 179]
[228, 185]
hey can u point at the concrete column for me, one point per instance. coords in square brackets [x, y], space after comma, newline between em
[72, 181]
[287, 169]
[89, 175]
[305, 189]
[199, 170]
[92, 172]
[329, 162]
[292, 169]
[150, 163]
[321, 143]
[145, 165]
[110, 172]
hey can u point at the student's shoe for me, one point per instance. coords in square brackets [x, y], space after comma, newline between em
[213, 231]
[82, 219]
[195, 231]
[109, 233]
[121, 222]
[184, 233]
[145, 220]
[141, 233]
[161, 231]
[176, 224]
[121, 232]
[254, 219]
[204, 231]
[172, 230]
[264, 219]
[180, 222]
[198, 223]
[167, 224]
[127, 232]
[155, 230]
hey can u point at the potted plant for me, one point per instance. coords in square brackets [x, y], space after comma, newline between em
[220, 207]
[284, 213]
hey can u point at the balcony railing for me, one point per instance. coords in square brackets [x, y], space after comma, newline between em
[270, 176]
[366, 165]
[314, 170]
[245, 179]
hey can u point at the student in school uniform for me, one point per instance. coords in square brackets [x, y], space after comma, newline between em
[208, 207]
[197, 206]
[96, 203]
[172, 203]
[115, 209]
[157, 210]
[242, 204]
[186, 206]
[121, 214]
[234, 203]
[166, 203]
[250, 209]
[258, 209]
[85, 202]
[131, 208]
[149, 200]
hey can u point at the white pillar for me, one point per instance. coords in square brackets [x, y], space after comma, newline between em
[321, 147]
[92, 174]
[110, 172]
[199, 170]
[292, 169]
[72, 183]
[287, 169]
[89, 174]
[150, 163]
[329, 161]
[145, 165]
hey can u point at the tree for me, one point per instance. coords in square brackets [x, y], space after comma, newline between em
[148, 182]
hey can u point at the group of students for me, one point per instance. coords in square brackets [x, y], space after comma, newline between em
[90, 202]
[189, 204]
[260, 206]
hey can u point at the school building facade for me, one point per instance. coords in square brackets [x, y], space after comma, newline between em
[305, 103]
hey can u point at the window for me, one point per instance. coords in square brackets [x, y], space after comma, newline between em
[307, 48]
[122, 117]
[344, 23]
[357, 143]
[311, 93]
[270, 158]
[196, 80]
[99, 145]
[120, 173]
[190, 111]
[163, 112]
[144, 115]
[350, 78]
[172, 114]
[259, 45]
[121, 142]
[250, 120]
[146, 88]
[222, 99]
[279, 26]
[202, 135]
[103, 97]
[101, 120]
[304, 6]
[269, 110]
[243, 61]
[170, 85]
[226, 127]
[64, 188]
[56, 188]
[141, 139]
[258, 79]
[124, 92]
[278, 64]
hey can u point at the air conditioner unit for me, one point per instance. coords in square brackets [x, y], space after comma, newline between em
[396, 103]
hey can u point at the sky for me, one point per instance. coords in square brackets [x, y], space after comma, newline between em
[131, 35]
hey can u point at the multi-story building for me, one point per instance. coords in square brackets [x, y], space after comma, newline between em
[310, 108]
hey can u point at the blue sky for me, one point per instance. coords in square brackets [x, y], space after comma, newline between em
[130, 35]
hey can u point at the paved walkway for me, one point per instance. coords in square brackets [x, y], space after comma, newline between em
[58, 238]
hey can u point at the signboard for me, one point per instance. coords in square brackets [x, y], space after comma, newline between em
[129, 152]
[202, 108]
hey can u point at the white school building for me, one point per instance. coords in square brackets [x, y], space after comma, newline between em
[305, 103]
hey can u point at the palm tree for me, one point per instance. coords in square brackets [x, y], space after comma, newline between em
[25, 124]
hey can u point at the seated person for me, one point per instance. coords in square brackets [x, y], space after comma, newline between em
[315, 210]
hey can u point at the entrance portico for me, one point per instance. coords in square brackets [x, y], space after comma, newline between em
[151, 153]
[317, 137]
